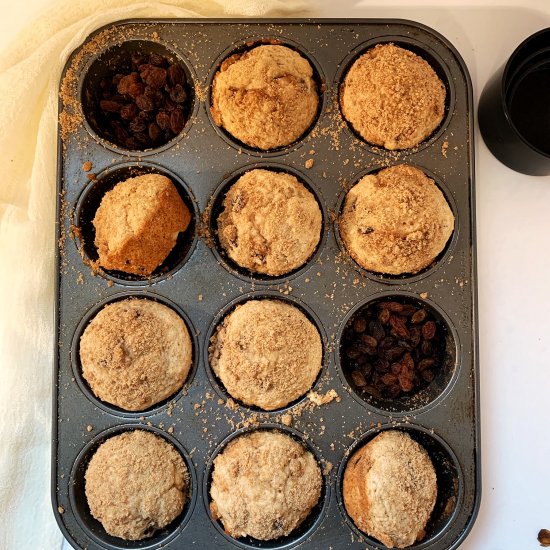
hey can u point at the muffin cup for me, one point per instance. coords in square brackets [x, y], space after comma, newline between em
[305, 529]
[217, 384]
[77, 366]
[89, 202]
[93, 528]
[450, 483]
[249, 44]
[444, 256]
[109, 60]
[423, 51]
[215, 208]
[445, 375]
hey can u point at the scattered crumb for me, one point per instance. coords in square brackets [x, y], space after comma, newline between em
[87, 166]
[309, 163]
[221, 401]
[91, 177]
[80, 279]
[444, 148]
[327, 468]
[170, 430]
[286, 419]
[60, 509]
[424, 295]
[200, 297]
[320, 399]
[197, 406]
[89, 428]
[312, 151]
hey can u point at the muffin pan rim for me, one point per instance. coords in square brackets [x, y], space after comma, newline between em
[265, 294]
[405, 278]
[214, 208]
[180, 185]
[76, 364]
[83, 458]
[297, 436]
[455, 345]
[318, 77]
[139, 153]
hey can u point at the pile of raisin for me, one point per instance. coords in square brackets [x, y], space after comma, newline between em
[392, 349]
[146, 106]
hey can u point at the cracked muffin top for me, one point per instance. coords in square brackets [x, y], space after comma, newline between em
[266, 353]
[135, 353]
[136, 483]
[396, 221]
[392, 97]
[264, 485]
[270, 224]
[390, 489]
[265, 97]
[138, 222]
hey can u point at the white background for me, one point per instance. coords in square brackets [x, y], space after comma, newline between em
[513, 229]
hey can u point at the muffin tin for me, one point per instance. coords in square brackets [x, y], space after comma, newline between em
[201, 284]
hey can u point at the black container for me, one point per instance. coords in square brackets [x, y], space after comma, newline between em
[201, 284]
[514, 108]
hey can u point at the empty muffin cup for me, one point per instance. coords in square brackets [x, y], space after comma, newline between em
[87, 208]
[398, 353]
[138, 96]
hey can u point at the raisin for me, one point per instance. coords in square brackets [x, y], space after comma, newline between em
[177, 120]
[176, 75]
[156, 78]
[428, 375]
[163, 120]
[398, 327]
[358, 379]
[428, 330]
[396, 368]
[178, 94]
[407, 310]
[377, 330]
[128, 111]
[393, 391]
[372, 390]
[394, 307]
[137, 125]
[426, 348]
[110, 106]
[154, 132]
[389, 379]
[393, 353]
[384, 316]
[145, 103]
[425, 364]
[419, 317]
[136, 89]
[369, 341]
[156, 59]
[359, 324]
[406, 383]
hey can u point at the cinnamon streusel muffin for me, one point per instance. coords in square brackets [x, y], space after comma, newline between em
[390, 489]
[135, 353]
[266, 353]
[396, 221]
[392, 97]
[135, 484]
[265, 97]
[270, 224]
[264, 485]
[138, 222]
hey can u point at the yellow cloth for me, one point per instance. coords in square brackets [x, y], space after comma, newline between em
[29, 82]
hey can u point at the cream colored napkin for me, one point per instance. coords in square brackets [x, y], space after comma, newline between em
[29, 81]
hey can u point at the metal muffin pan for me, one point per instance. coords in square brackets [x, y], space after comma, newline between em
[201, 283]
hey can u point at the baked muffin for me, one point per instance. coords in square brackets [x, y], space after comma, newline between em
[264, 485]
[270, 224]
[137, 224]
[266, 353]
[135, 353]
[136, 483]
[265, 97]
[396, 221]
[390, 489]
[392, 97]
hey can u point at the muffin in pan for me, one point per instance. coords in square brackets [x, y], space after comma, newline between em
[390, 489]
[266, 353]
[270, 223]
[265, 97]
[135, 353]
[264, 485]
[392, 97]
[135, 484]
[137, 224]
[396, 221]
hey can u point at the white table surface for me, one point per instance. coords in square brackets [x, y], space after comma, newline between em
[513, 229]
